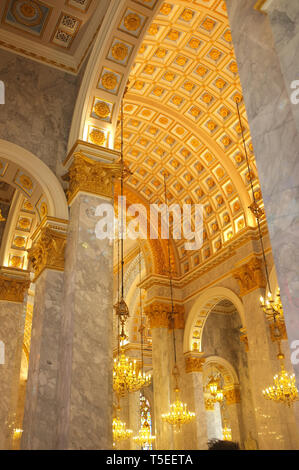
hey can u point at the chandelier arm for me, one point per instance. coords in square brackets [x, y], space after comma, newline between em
[254, 198]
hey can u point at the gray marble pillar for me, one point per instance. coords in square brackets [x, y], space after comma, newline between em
[85, 380]
[40, 414]
[275, 423]
[214, 423]
[163, 396]
[134, 421]
[274, 135]
[12, 320]
[284, 19]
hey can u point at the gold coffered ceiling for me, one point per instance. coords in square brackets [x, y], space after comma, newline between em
[180, 114]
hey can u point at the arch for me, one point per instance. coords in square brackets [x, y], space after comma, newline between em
[201, 308]
[227, 371]
[22, 159]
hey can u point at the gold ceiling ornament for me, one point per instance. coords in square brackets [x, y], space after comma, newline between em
[101, 109]
[97, 137]
[109, 81]
[119, 51]
[2, 219]
[178, 414]
[132, 22]
[284, 389]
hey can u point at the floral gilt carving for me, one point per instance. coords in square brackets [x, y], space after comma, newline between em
[47, 251]
[250, 276]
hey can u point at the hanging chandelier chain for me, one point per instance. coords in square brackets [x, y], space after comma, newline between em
[254, 198]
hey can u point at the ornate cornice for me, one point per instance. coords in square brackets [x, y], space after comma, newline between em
[13, 287]
[47, 250]
[194, 362]
[159, 315]
[250, 276]
[90, 176]
[232, 396]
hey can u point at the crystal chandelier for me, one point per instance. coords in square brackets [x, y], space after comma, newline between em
[126, 377]
[272, 307]
[178, 413]
[120, 431]
[284, 389]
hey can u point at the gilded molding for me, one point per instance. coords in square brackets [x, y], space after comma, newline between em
[159, 315]
[250, 276]
[90, 176]
[232, 396]
[194, 363]
[209, 405]
[13, 289]
[47, 251]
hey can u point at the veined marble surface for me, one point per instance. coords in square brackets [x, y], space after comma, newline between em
[85, 385]
[276, 144]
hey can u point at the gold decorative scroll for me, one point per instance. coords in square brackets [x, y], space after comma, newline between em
[91, 176]
[250, 276]
[12, 289]
[194, 363]
[232, 396]
[159, 315]
[47, 251]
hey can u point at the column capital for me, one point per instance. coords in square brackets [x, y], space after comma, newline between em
[91, 169]
[14, 284]
[48, 246]
[194, 361]
[250, 275]
[159, 314]
[232, 395]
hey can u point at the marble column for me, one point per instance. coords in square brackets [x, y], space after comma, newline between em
[275, 423]
[157, 313]
[232, 413]
[13, 290]
[214, 422]
[85, 377]
[47, 261]
[262, 50]
[195, 433]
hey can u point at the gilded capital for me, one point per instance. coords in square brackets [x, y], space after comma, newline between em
[13, 289]
[250, 276]
[194, 363]
[47, 251]
[159, 315]
[90, 176]
[232, 395]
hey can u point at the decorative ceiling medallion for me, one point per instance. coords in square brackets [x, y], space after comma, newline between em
[81, 5]
[24, 182]
[120, 51]
[109, 80]
[24, 223]
[102, 110]
[97, 136]
[28, 15]
[19, 242]
[132, 22]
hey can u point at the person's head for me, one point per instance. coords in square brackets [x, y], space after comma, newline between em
[217, 444]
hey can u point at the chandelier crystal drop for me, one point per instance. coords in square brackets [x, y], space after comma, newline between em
[227, 433]
[272, 307]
